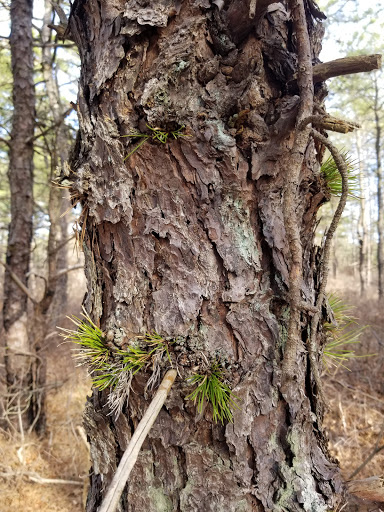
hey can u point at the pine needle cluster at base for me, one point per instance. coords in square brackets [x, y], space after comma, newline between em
[211, 388]
[332, 177]
[340, 335]
[114, 368]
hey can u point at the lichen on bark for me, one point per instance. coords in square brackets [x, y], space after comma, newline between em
[189, 239]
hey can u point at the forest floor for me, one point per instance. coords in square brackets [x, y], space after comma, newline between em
[354, 422]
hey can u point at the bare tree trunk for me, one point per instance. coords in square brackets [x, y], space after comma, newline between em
[362, 226]
[53, 303]
[19, 355]
[380, 193]
[189, 239]
[57, 259]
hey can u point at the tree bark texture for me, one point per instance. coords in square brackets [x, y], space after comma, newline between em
[188, 239]
[18, 356]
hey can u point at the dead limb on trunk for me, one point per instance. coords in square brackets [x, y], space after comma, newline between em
[371, 488]
[129, 458]
[331, 123]
[346, 66]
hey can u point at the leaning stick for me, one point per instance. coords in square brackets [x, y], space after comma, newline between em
[129, 458]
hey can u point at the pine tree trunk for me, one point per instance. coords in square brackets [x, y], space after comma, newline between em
[19, 357]
[362, 225]
[380, 196]
[47, 312]
[57, 252]
[188, 239]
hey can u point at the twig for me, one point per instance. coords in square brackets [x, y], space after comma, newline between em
[21, 285]
[35, 477]
[64, 271]
[376, 449]
[60, 12]
[52, 127]
[129, 458]
[61, 245]
[5, 141]
[371, 488]
[324, 266]
[80, 430]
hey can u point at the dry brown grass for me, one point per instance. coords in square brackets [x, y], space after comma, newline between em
[355, 421]
[62, 454]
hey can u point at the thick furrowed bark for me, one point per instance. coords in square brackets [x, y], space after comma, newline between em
[189, 239]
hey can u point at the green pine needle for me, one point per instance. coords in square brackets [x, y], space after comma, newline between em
[157, 134]
[107, 366]
[333, 179]
[340, 336]
[211, 388]
[92, 349]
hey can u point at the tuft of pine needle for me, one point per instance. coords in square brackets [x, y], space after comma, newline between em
[332, 177]
[212, 388]
[341, 335]
[114, 369]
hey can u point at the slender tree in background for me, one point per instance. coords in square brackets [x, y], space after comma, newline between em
[362, 226]
[377, 107]
[58, 231]
[204, 234]
[48, 310]
[19, 358]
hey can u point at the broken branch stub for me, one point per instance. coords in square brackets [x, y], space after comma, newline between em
[346, 66]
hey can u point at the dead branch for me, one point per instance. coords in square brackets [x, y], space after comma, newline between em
[324, 266]
[35, 477]
[17, 281]
[346, 66]
[64, 271]
[129, 458]
[371, 488]
[331, 123]
[376, 449]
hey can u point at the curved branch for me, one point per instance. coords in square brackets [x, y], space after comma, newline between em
[324, 266]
